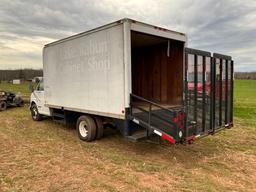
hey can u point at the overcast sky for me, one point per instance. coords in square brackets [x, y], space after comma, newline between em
[225, 26]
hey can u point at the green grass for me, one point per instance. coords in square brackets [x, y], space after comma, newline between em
[46, 156]
[23, 88]
[245, 101]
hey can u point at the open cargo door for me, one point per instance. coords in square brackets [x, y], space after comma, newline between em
[208, 92]
[156, 101]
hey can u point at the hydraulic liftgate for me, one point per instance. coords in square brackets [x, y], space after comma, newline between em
[208, 92]
[208, 102]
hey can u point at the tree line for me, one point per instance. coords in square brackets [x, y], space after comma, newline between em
[245, 75]
[23, 74]
[28, 74]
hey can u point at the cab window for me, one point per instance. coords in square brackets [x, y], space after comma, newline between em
[40, 86]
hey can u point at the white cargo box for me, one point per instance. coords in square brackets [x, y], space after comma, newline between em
[92, 72]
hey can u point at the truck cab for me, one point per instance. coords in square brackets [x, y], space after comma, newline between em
[37, 102]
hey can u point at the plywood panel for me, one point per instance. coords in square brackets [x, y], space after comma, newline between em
[156, 76]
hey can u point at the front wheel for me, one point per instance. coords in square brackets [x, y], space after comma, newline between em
[36, 116]
[86, 128]
[3, 105]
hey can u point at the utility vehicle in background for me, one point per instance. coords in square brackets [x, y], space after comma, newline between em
[9, 99]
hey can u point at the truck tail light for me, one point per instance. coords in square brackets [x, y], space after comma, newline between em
[180, 116]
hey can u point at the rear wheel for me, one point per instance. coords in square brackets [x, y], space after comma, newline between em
[100, 128]
[3, 105]
[86, 128]
[36, 116]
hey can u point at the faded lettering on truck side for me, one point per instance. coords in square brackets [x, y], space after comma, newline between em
[92, 55]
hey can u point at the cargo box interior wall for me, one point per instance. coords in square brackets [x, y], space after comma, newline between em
[157, 68]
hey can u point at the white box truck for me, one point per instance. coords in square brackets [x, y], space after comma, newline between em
[127, 73]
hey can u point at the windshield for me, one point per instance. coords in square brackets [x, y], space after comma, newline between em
[40, 86]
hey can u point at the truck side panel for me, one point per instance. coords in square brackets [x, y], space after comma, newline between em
[87, 73]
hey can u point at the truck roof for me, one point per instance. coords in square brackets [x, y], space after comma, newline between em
[111, 25]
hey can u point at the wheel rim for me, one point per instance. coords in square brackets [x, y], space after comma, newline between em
[83, 129]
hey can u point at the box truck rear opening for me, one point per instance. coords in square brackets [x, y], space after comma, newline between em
[133, 76]
[157, 68]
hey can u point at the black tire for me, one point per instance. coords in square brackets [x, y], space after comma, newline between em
[100, 128]
[86, 128]
[34, 113]
[3, 105]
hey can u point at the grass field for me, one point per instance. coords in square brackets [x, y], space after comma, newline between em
[45, 156]
[23, 88]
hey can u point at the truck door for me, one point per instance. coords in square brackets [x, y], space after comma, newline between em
[40, 100]
[198, 93]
